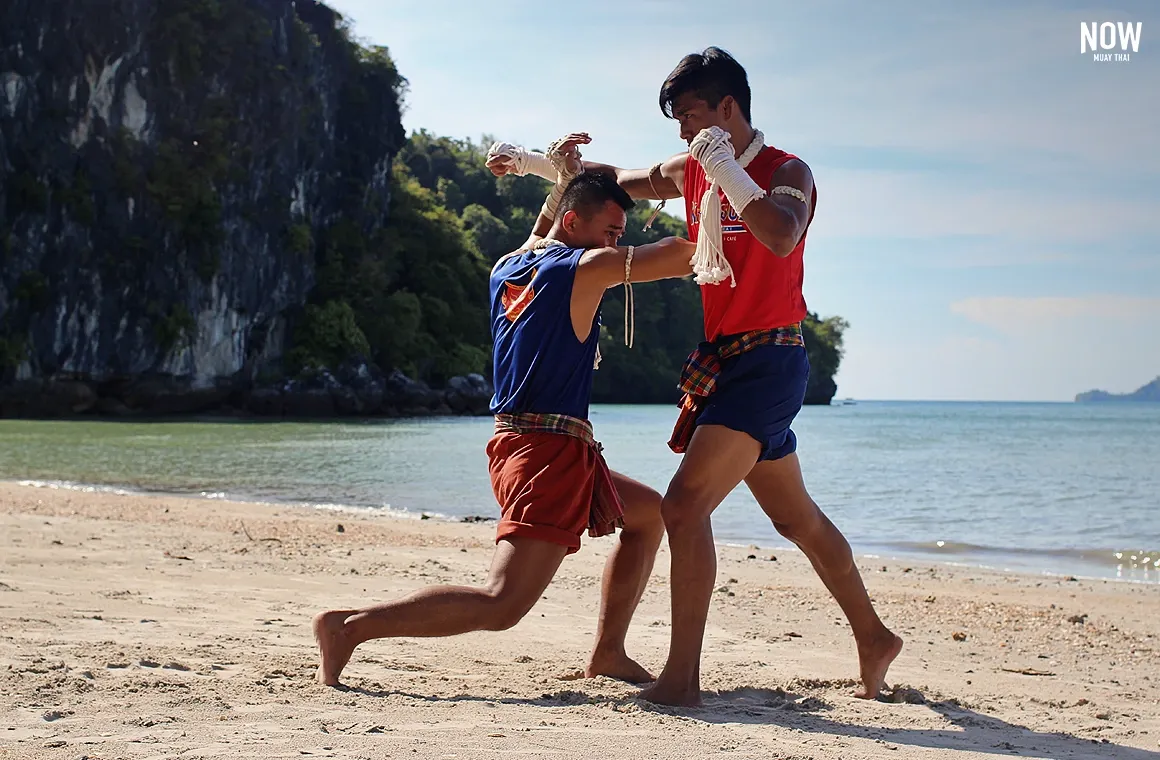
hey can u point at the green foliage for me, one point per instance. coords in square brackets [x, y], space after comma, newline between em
[300, 240]
[202, 36]
[127, 175]
[486, 231]
[208, 142]
[172, 328]
[78, 198]
[32, 290]
[13, 352]
[26, 194]
[327, 335]
[417, 289]
[824, 343]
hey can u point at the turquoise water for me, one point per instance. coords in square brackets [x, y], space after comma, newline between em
[1059, 488]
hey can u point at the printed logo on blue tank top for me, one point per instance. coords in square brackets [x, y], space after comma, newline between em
[516, 297]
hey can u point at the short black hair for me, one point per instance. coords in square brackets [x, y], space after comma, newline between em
[711, 76]
[589, 191]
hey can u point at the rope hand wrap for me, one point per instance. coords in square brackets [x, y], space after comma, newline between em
[564, 175]
[656, 212]
[713, 149]
[524, 161]
[629, 301]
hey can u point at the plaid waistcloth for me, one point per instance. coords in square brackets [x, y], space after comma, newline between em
[699, 375]
[607, 511]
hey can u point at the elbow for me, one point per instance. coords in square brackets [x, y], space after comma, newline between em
[781, 245]
[781, 237]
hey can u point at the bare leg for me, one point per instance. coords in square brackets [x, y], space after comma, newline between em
[520, 571]
[715, 462]
[781, 492]
[625, 576]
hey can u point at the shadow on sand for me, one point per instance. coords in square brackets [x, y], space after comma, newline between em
[970, 731]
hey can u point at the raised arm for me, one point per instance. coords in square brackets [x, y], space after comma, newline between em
[603, 268]
[662, 181]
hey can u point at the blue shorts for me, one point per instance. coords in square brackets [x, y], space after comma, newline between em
[759, 393]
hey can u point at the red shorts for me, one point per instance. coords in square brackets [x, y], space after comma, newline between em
[543, 483]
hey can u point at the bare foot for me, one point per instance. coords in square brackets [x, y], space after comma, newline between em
[874, 660]
[677, 695]
[334, 648]
[619, 666]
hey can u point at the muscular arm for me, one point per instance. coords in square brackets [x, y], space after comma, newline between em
[666, 183]
[603, 268]
[779, 221]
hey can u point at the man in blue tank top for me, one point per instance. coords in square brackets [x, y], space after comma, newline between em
[547, 471]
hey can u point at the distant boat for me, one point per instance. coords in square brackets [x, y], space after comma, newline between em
[843, 402]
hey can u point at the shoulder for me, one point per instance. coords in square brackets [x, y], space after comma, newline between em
[790, 170]
[506, 262]
[676, 168]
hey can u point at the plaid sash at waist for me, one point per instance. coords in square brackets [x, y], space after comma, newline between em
[606, 513]
[699, 375]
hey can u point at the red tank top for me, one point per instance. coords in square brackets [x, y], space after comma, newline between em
[769, 288]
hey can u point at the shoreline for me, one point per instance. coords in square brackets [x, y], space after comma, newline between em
[387, 512]
[140, 626]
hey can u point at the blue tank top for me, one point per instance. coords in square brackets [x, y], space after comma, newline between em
[538, 365]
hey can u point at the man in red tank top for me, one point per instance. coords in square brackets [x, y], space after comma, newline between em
[748, 207]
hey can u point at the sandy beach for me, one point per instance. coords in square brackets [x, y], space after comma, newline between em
[136, 626]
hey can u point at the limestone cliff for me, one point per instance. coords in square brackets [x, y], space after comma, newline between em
[167, 170]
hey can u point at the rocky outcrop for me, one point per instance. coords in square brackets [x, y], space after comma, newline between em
[357, 389]
[167, 172]
[1149, 392]
[820, 389]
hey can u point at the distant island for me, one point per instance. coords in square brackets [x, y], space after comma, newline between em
[1149, 392]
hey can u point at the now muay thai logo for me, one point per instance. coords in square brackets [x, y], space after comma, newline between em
[1100, 39]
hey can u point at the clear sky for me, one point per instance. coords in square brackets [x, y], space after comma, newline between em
[989, 197]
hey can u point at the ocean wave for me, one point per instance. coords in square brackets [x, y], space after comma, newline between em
[1137, 559]
[385, 510]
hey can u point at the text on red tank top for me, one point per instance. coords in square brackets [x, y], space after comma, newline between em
[769, 288]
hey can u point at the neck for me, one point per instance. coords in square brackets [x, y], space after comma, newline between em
[559, 233]
[741, 135]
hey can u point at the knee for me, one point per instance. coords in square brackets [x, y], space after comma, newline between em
[505, 611]
[643, 518]
[683, 507]
[805, 529]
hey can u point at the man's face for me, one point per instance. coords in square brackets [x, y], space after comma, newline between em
[602, 230]
[694, 114]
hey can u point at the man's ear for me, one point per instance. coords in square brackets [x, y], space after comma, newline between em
[569, 221]
[727, 106]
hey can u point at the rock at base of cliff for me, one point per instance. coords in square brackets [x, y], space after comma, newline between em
[47, 398]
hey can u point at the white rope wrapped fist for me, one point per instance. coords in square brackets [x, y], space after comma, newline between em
[713, 150]
[520, 161]
[564, 155]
